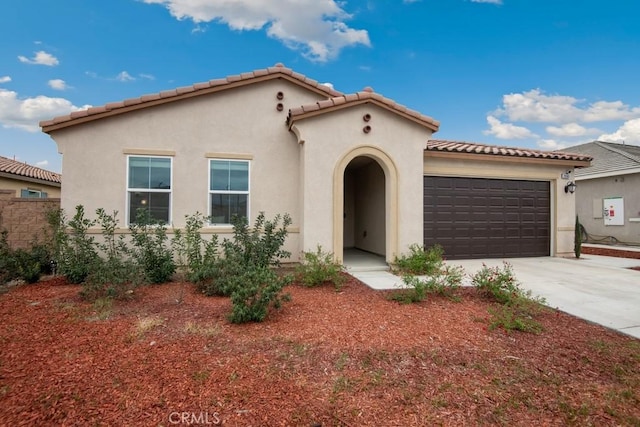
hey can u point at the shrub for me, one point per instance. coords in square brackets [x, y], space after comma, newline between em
[256, 290]
[518, 306]
[249, 249]
[196, 256]
[319, 267]
[75, 250]
[8, 265]
[416, 289]
[115, 273]
[245, 271]
[420, 261]
[149, 238]
[27, 265]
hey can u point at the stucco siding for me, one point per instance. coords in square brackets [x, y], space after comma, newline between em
[391, 137]
[242, 121]
[591, 192]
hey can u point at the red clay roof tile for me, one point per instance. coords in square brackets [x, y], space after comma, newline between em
[95, 113]
[14, 167]
[472, 147]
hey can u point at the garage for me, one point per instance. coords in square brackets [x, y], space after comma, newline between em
[487, 218]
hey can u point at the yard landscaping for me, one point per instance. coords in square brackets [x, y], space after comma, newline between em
[168, 355]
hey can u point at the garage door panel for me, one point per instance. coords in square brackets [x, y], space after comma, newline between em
[477, 218]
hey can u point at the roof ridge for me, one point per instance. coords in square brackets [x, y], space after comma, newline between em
[278, 70]
[607, 146]
[365, 95]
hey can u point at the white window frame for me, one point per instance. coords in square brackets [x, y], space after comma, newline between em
[33, 194]
[149, 190]
[211, 192]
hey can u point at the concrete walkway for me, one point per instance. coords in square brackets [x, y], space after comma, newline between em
[598, 289]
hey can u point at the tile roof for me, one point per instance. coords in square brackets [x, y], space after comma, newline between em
[277, 71]
[14, 167]
[367, 95]
[608, 157]
[437, 145]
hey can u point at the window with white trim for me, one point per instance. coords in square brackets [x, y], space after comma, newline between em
[29, 193]
[228, 190]
[149, 187]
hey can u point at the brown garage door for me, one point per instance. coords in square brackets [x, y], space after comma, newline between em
[487, 218]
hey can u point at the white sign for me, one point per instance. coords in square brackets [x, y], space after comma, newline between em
[613, 211]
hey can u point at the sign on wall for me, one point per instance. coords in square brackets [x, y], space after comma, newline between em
[613, 211]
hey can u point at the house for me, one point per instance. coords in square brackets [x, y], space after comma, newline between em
[608, 192]
[353, 170]
[28, 181]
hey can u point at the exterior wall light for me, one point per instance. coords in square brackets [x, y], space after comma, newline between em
[570, 187]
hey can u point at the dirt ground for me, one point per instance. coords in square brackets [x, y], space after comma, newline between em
[168, 356]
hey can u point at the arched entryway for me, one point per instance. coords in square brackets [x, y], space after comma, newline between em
[365, 208]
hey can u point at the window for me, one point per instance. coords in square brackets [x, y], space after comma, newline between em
[29, 193]
[228, 190]
[149, 187]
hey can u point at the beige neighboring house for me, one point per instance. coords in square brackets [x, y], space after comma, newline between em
[353, 170]
[28, 181]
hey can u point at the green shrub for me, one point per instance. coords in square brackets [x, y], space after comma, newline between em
[76, 251]
[319, 267]
[416, 289]
[150, 249]
[256, 290]
[245, 270]
[8, 265]
[196, 256]
[114, 273]
[27, 265]
[420, 261]
[518, 307]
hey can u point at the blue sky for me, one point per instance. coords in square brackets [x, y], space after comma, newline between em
[541, 74]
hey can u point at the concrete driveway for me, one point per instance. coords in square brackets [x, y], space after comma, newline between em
[598, 289]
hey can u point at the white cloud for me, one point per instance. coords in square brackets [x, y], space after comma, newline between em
[5, 79]
[551, 144]
[147, 76]
[507, 130]
[123, 76]
[58, 84]
[26, 113]
[571, 129]
[411, 1]
[629, 133]
[42, 163]
[487, 1]
[315, 27]
[536, 106]
[40, 58]
[327, 84]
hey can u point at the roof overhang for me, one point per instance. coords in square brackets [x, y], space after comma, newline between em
[183, 93]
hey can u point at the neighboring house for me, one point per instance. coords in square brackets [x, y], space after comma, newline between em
[353, 171]
[608, 192]
[28, 181]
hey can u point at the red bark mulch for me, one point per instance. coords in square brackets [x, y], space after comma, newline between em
[168, 357]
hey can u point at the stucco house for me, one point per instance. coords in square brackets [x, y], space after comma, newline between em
[28, 181]
[608, 193]
[353, 170]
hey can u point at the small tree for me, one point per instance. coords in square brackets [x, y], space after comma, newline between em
[577, 246]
